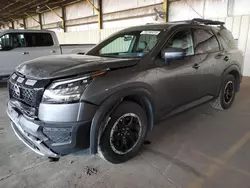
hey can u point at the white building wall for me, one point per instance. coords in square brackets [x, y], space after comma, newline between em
[129, 22]
[50, 17]
[30, 23]
[241, 7]
[119, 5]
[235, 13]
[79, 10]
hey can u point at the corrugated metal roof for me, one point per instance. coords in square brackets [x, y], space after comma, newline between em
[11, 10]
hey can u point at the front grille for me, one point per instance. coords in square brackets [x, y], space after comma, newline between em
[29, 96]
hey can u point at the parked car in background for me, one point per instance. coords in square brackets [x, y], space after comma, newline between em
[18, 46]
[110, 98]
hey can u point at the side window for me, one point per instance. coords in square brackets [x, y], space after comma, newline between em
[183, 40]
[5, 42]
[146, 42]
[38, 39]
[205, 41]
[11, 41]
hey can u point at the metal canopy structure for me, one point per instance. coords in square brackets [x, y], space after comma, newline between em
[11, 10]
[14, 10]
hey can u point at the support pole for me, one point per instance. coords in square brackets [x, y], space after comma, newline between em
[24, 23]
[100, 15]
[40, 20]
[99, 11]
[64, 19]
[166, 9]
[12, 25]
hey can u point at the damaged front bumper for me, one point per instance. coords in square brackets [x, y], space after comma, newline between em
[27, 132]
[49, 138]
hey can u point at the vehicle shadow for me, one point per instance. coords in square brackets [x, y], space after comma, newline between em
[179, 122]
[170, 135]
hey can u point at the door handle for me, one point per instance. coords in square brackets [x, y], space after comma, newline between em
[25, 53]
[226, 58]
[53, 51]
[218, 56]
[196, 66]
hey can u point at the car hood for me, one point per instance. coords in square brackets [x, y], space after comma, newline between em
[66, 65]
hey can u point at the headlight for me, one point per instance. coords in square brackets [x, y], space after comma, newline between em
[66, 91]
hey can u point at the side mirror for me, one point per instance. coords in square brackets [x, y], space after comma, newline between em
[169, 54]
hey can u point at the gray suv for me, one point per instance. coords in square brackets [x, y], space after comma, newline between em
[110, 98]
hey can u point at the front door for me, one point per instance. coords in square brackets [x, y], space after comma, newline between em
[12, 52]
[178, 80]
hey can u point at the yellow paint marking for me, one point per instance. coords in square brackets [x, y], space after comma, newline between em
[221, 163]
[226, 156]
[212, 169]
[215, 160]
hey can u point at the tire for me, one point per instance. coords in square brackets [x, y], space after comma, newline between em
[131, 116]
[222, 102]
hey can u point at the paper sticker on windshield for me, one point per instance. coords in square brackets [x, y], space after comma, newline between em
[150, 32]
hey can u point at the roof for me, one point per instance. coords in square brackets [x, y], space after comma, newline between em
[11, 10]
[25, 31]
[196, 21]
[150, 26]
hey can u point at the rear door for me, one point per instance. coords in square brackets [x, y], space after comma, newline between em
[40, 44]
[178, 80]
[211, 60]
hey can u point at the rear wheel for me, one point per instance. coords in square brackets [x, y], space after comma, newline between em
[124, 133]
[227, 94]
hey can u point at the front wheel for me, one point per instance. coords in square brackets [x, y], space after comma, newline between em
[124, 133]
[227, 94]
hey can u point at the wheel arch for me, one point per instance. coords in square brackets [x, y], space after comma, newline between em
[232, 70]
[237, 77]
[140, 96]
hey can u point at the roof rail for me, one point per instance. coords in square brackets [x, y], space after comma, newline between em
[206, 22]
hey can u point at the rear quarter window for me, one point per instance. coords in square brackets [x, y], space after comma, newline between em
[227, 39]
[205, 41]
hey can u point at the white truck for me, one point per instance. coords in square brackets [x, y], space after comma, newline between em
[18, 46]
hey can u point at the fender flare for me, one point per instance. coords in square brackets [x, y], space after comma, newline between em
[229, 69]
[109, 104]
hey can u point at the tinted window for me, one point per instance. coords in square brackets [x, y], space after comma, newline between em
[20, 40]
[182, 39]
[146, 41]
[11, 41]
[205, 41]
[38, 39]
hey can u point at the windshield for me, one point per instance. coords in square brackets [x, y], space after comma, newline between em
[130, 44]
